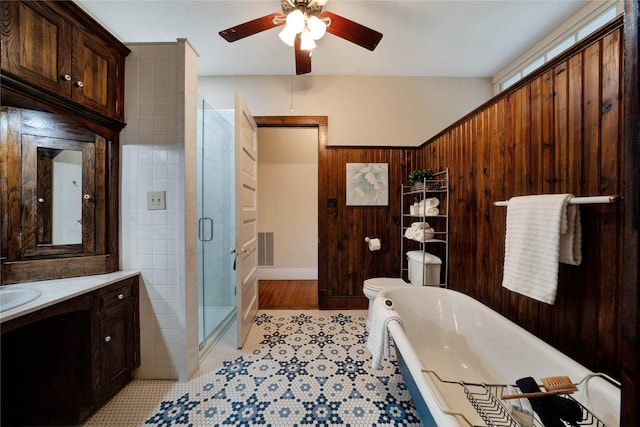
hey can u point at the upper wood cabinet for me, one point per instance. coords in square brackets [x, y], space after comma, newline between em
[56, 48]
[62, 79]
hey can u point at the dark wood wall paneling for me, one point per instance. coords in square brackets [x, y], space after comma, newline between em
[558, 131]
[629, 292]
[348, 259]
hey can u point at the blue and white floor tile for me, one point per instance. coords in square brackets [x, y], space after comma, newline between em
[297, 368]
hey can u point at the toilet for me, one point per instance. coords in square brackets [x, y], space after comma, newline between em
[416, 260]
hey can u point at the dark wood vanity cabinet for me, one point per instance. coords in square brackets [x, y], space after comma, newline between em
[63, 362]
[56, 48]
[119, 335]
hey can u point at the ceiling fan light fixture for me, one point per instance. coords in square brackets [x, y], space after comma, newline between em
[316, 27]
[287, 36]
[306, 41]
[296, 21]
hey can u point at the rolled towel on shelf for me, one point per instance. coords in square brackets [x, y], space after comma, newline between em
[431, 202]
[429, 234]
[410, 233]
[420, 225]
[423, 235]
[432, 212]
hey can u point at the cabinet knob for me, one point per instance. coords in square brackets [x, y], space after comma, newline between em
[79, 84]
[120, 296]
[66, 77]
[107, 338]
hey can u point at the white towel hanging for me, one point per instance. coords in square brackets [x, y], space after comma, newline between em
[532, 244]
[379, 339]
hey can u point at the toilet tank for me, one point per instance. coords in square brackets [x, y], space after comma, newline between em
[423, 262]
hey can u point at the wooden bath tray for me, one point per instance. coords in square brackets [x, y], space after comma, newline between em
[495, 412]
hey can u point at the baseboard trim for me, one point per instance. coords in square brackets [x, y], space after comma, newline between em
[287, 274]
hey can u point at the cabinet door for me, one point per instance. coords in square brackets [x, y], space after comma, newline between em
[95, 67]
[36, 45]
[118, 350]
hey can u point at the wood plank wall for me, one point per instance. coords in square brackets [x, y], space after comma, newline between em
[630, 292]
[343, 251]
[558, 131]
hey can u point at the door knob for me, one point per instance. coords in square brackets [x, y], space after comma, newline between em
[79, 84]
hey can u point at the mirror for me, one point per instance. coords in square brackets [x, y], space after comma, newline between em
[59, 193]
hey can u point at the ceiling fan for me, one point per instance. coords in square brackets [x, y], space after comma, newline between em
[304, 23]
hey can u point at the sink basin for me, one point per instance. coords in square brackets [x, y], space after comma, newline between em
[13, 296]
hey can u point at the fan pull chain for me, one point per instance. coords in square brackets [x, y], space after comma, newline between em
[291, 102]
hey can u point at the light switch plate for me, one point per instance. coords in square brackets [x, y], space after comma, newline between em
[156, 200]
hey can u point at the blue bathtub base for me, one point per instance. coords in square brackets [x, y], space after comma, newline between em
[416, 396]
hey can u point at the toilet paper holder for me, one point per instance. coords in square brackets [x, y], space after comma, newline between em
[374, 243]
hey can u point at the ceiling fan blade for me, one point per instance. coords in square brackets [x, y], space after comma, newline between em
[303, 58]
[352, 31]
[252, 27]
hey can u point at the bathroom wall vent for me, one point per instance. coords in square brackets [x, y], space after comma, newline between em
[265, 249]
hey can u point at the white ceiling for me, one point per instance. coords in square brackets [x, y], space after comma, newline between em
[476, 38]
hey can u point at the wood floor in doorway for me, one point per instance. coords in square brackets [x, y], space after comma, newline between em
[288, 294]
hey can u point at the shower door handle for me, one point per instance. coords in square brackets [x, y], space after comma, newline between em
[233, 252]
[201, 229]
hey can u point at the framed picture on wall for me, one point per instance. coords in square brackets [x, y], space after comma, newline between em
[367, 184]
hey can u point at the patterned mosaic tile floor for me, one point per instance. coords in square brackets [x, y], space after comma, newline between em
[297, 368]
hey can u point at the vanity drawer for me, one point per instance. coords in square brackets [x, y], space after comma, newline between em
[114, 298]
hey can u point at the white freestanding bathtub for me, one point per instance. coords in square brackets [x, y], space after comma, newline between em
[445, 337]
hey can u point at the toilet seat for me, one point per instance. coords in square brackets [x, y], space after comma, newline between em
[377, 284]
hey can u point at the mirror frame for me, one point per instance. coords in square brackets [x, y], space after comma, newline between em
[32, 191]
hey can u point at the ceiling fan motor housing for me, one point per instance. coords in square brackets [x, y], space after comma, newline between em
[308, 7]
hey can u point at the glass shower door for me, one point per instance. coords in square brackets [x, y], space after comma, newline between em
[216, 222]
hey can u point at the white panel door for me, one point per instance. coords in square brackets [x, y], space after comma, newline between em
[246, 148]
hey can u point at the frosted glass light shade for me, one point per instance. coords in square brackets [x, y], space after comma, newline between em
[295, 21]
[317, 27]
[306, 41]
[287, 36]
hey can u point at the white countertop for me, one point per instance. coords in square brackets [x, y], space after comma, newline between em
[55, 291]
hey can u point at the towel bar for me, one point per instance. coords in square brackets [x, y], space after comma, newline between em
[614, 198]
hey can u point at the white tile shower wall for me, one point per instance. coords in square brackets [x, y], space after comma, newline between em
[152, 160]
